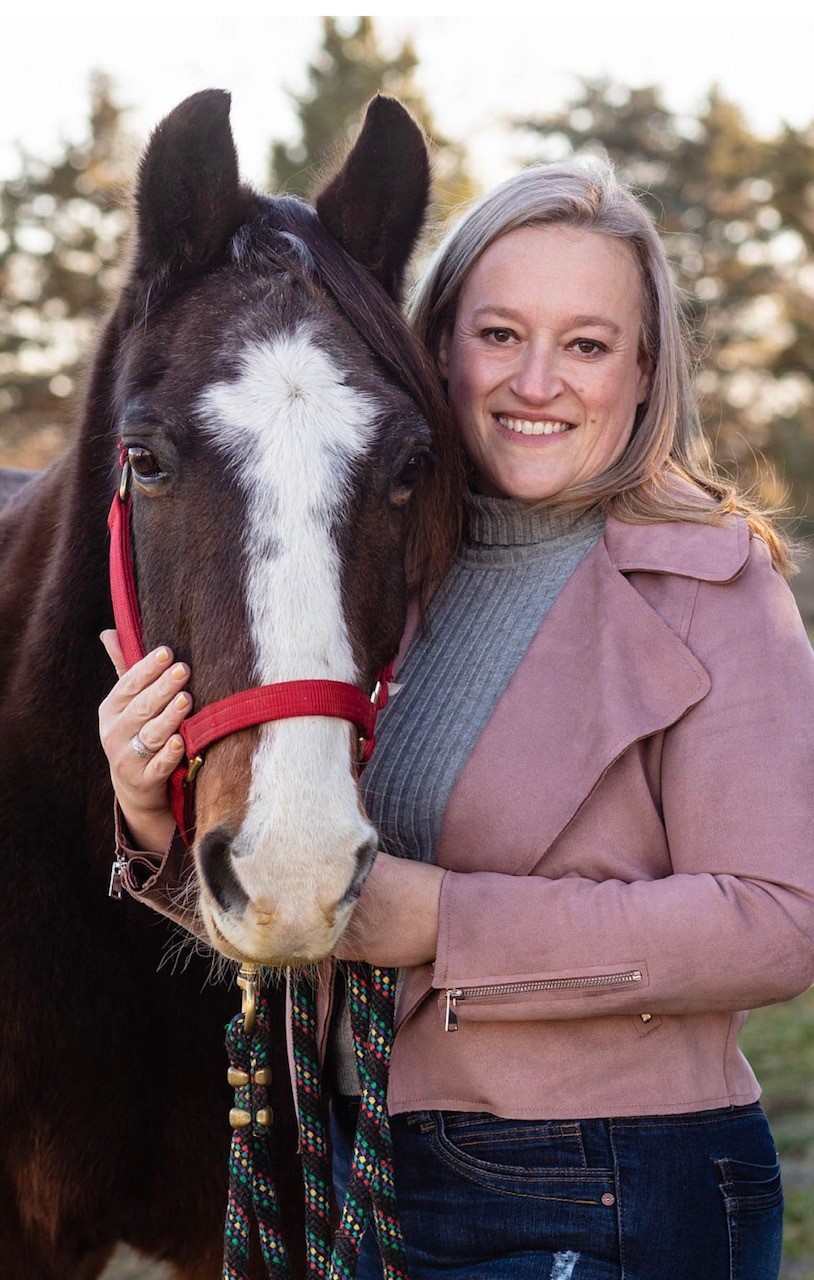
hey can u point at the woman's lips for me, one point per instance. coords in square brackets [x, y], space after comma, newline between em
[525, 428]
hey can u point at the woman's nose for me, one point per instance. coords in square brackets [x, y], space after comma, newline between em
[537, 378]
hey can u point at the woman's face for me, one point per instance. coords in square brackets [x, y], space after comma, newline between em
[543, 364]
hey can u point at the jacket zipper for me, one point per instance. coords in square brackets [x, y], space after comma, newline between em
[456, 994]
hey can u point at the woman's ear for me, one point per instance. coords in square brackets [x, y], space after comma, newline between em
[443, 355]
[645, 378]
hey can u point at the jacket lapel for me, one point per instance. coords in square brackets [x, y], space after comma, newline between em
[603, 671]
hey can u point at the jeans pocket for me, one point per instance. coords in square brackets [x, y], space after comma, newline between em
[487, 1141]
[748, 1187]
[542, 1160]
[466, 1212]
[753, 1198]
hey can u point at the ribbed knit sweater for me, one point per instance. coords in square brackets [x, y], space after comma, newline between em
[513, 564]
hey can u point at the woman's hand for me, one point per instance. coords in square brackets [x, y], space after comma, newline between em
[146, 705]
[395, 922]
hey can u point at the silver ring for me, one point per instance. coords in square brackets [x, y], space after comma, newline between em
[143, 753]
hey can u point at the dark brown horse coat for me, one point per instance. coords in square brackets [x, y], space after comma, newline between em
[113, 1098]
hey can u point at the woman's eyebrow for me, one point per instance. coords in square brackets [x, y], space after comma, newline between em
[572, 322]
[601, 322]
[505, 313]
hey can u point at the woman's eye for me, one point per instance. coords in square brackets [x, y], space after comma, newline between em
[144, 463]
[499, 336]
[589, 347]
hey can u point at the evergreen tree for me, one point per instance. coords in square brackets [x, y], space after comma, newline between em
[348, 69]
[737, 215]
[63, 223]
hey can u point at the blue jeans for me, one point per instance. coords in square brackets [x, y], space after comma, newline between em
[685, 1197]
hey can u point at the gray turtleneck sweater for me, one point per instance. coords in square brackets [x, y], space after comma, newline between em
[513, 564]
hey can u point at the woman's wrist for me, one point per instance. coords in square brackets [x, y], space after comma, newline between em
[395, 923]
[151, 830]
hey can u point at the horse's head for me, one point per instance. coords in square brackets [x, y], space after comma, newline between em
[277, 415]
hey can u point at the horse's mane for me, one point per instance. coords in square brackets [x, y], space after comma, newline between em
[287, 234]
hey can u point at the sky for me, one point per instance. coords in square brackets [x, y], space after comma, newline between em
[475, 71]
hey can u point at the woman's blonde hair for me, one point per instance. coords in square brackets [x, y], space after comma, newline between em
[666, 471]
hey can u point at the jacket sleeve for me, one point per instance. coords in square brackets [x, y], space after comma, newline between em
[162, 881]
[733, 927]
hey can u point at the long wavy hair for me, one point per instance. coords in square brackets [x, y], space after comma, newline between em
[666, 472]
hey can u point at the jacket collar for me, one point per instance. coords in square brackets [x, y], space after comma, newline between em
[712, 553]
[603, 671]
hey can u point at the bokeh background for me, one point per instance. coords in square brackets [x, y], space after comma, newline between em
[710, 117]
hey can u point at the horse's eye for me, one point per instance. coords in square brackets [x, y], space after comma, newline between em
[144, 463]
[411, 470]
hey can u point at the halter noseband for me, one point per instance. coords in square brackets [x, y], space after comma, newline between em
[268, 702]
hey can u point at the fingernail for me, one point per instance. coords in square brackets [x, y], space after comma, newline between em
[179, 671]
[162, 655]
[182, 700]
[176, 743]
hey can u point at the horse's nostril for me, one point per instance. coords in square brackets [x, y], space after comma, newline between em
[364, 861]
[218, 874]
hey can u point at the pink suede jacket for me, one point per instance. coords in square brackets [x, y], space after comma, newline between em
[630, 846]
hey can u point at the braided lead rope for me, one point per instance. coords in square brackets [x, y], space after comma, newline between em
[313, 1146]
[371, 1000]
[371, 997]
[356, 1205]
[251, 1181]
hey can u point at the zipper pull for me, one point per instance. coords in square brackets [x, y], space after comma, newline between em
[451, 1018]
[114, 888]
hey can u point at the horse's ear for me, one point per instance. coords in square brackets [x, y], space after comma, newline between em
[188, 196]
[375, 205]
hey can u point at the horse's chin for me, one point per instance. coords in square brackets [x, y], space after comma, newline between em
[249, 946]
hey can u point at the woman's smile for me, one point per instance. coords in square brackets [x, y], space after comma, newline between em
[537, 430]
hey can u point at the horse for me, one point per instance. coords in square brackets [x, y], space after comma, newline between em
[281, 428]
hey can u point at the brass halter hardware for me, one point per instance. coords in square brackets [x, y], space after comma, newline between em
[248, 980]
[192, 772]
[124, 482]
[361, 741]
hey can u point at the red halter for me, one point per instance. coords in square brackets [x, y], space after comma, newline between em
[268, 702]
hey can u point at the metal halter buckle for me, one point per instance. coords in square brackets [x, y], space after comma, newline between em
[124, 481]
[192, 772]
[248, 980]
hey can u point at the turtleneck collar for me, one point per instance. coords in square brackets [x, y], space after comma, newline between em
[507, 522]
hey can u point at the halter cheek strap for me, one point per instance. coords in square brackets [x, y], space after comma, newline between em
[262, 705]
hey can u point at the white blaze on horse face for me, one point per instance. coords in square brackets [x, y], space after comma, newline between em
[293, 429]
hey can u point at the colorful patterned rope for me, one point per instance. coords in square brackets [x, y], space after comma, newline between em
[251, 1182]
[371, 999]
[313, 1144]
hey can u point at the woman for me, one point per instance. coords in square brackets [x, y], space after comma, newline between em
[594, 792]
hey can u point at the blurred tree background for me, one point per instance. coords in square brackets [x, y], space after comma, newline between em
[349, 68]
[62, 224]
[737, 215]
[736, 209]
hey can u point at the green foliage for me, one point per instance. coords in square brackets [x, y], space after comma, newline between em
[63, 224]
[737, 214]
[347, 71]
[779, 1043]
